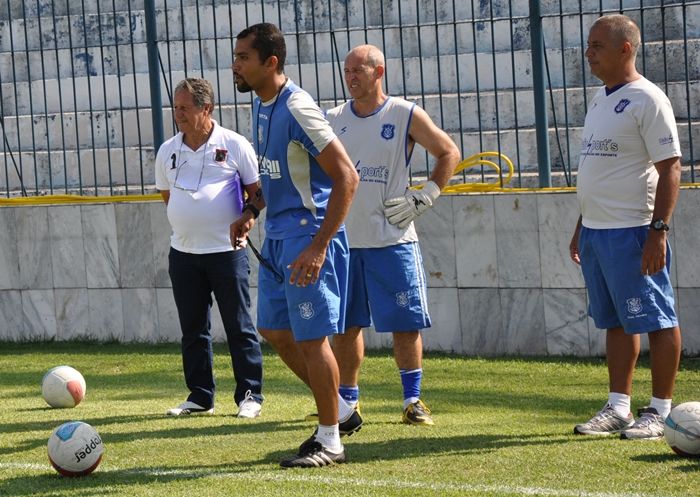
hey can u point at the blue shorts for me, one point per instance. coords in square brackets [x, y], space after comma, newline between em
[390, 281]
[618, 294]
[313, 311]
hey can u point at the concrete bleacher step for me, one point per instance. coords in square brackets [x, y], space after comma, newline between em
[131, 165]
[70, 168]
[486, 111]
[109, 77]
[498, 69]
[324, 81]
[483, 28]
[44, 41]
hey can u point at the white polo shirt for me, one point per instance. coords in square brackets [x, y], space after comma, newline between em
[205, 188]
[625, 133]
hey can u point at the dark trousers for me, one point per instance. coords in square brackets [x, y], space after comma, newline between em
[194, 278]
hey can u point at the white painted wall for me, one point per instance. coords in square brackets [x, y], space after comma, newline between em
[500, 278]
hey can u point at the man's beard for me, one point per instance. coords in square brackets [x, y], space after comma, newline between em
[242, 86]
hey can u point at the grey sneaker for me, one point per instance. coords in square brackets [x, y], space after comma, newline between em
[606, 422]
[649, 426]
[188, 408]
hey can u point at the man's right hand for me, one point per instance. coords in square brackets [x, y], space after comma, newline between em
[240, 228]
[573, 246]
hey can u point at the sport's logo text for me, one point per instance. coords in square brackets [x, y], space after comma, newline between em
[372, 174]
[604, 147]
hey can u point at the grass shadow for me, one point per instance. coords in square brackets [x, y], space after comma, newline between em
[684, 464]
[113, 482]
[185, 429]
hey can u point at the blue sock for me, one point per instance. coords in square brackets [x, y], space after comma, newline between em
[411, 379]
[349, 394]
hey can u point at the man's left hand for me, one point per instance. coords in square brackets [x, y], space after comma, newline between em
[401, 211]
[306, 268]
[654, 252]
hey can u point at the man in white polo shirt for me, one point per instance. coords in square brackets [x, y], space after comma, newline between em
[200, 173]
[628, 180]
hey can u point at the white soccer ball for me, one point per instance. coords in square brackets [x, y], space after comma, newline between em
[75, 449]
[682, 430]
[63, 386]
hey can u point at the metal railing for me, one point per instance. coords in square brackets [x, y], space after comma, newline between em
[81, 112]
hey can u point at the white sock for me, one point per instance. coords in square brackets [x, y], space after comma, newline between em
[662, 406]
[620, 402]
[329, 437]
[409, 400]
[345, 410]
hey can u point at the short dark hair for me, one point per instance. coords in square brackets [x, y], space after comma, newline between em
[622, 29]
[268, 41]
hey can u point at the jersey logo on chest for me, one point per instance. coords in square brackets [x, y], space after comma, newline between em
[620, 107]
[388, 131]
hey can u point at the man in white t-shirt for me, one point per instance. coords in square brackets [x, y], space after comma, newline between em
[201, 173]
[628, 180]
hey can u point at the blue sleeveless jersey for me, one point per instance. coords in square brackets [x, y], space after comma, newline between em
[290, 131]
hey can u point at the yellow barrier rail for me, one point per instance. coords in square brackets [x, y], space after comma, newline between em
[74, 199]
[487, 159]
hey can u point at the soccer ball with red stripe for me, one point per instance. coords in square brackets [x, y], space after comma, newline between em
[75, 449]
[63, 386]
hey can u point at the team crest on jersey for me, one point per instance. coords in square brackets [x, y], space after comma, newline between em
[634, 305]
[388, 131]
[402, 299]
[306, 310]
[220, 154]
[621, 105]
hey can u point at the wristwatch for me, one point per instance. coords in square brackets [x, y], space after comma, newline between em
[253, 210]
[659, 225]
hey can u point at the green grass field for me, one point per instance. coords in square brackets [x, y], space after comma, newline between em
[503, 428]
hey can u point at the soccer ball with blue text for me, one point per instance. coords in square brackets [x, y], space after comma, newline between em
[75, 449]
[682, 430]
[63, 386]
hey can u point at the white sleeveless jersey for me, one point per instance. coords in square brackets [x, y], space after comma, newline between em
[379, 147]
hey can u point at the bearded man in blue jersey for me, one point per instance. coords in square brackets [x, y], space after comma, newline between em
[308, 183]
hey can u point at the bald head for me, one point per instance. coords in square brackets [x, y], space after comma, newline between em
[364, 73]
[621, 29]
[368, 55]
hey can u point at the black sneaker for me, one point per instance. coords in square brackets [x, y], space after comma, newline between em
[313, 455]
[350, 425]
